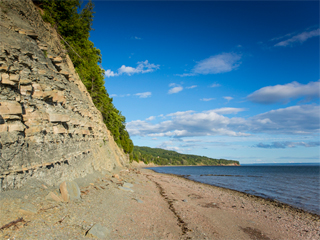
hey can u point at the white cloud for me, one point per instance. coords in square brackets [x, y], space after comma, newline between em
[150, 118]
[299, 38]
[224, 62]
[284, 93]
[299, 120]
[113, 95]
[228, 98]
[110, 73]
[215, 85]
[302, 119]
[206, 99]
[143, 95]
[136, 38]
[143, 67]
[220, 63]
[188, 123]
[193, 86]
[175, 88]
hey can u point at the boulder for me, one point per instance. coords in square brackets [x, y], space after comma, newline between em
[69, 191]
[98, 232]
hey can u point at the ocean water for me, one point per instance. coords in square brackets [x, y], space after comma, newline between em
[298, 186]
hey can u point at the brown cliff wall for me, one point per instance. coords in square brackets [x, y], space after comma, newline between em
[49, 127]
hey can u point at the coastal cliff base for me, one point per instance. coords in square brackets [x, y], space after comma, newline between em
[141, 204]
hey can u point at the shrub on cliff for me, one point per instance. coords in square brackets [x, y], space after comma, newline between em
[74, 25]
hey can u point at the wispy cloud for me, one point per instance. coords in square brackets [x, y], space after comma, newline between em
[143, 67]
[215, 85]
[206, 99]
[175, 88]
[228, 98]
[143, 95]
[299, 38]
[220, 63]
[193, 86]
[284, 93]
[136, 38]
[287, 144]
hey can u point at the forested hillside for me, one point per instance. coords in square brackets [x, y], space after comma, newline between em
[166, 157]
[74, 23]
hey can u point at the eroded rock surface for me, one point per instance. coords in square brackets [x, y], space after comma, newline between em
[49, 127]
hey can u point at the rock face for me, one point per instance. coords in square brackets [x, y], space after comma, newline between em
[49, 127]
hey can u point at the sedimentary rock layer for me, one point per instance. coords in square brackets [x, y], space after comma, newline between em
[49, 127]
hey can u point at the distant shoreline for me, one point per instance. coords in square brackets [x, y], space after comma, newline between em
[230, 165]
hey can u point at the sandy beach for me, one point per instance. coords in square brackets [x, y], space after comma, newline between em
[142, 204]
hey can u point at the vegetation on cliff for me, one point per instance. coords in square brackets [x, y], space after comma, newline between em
[166, 157]
[74, 24]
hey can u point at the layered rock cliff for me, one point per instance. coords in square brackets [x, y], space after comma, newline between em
[49, 127]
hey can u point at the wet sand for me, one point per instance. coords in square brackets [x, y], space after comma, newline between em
[159, 206]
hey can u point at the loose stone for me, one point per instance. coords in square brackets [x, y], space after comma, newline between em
[98, 231]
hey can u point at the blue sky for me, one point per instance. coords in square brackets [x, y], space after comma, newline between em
[235, 80]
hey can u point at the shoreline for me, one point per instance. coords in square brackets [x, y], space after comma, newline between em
[153, 206]
[275, 202]
[268, 211]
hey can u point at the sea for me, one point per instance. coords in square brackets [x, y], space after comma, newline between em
[296, 185]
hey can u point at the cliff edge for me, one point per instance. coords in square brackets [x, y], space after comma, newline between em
[49, 126]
